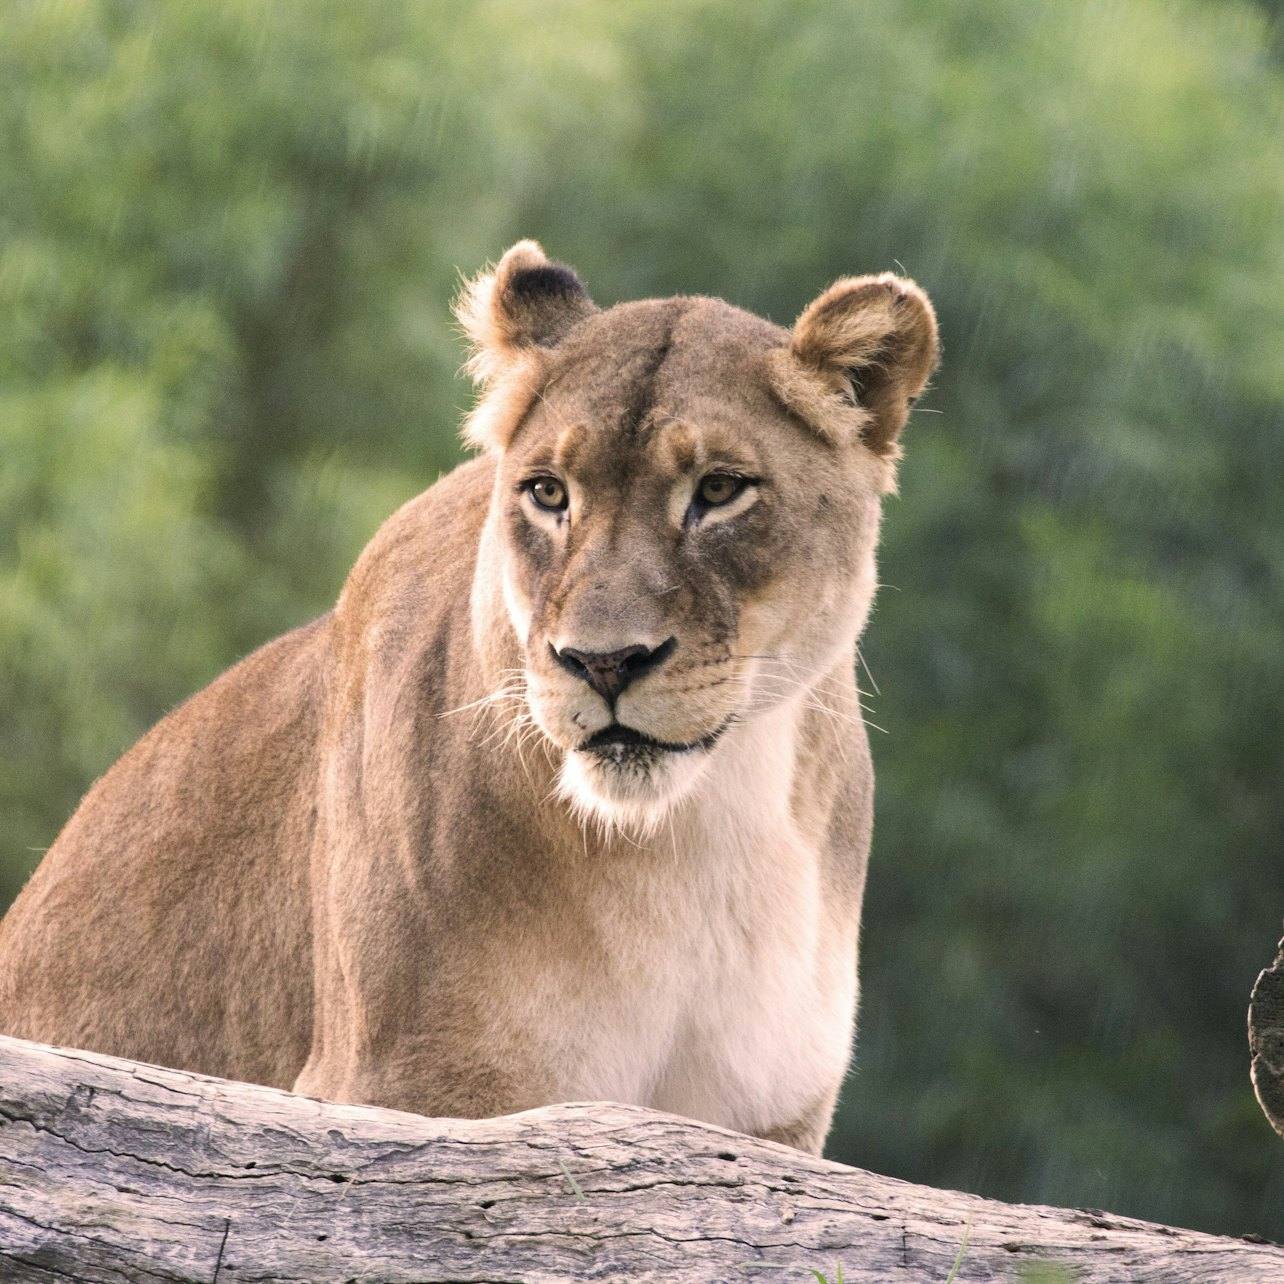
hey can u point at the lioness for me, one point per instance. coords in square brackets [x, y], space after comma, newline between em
[569, 796]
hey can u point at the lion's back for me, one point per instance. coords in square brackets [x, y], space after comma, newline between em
[170, 922]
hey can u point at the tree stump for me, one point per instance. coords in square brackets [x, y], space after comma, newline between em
[115, 1171]
[1266, 1040]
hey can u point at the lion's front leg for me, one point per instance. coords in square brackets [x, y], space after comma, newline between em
[423, 1081]
[404, 1037]
[809, 1130]
[400, 1018]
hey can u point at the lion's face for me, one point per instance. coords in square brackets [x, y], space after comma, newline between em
[679, 552]
[682, 545]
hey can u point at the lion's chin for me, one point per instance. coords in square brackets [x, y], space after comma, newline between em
[629, 789]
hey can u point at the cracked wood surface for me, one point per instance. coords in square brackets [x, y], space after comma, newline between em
[115, 1171]
[1266, 1040]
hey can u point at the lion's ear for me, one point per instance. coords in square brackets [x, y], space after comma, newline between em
[866, 348]
[527, 302]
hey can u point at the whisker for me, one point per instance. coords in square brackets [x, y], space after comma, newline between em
[860, 655]
[494, 697]
[512, 688]
[814, 677]
[811, 699]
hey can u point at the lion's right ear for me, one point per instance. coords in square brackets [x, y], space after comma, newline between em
[527, 302]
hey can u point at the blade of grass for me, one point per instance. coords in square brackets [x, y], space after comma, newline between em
[958, 1260]
[575, 1186]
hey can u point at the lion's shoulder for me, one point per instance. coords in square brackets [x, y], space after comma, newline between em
[426, 552]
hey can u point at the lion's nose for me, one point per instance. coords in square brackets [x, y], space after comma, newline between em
[609, 672]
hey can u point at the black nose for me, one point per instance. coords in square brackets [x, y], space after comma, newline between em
[609, 672]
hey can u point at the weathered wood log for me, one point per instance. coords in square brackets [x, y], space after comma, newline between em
[1266, 1040]
[115, 1171]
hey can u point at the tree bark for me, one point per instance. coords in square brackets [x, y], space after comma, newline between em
[115, 1171]
[1266, 1040]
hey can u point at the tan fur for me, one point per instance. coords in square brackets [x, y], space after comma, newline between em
[378, 861]
[872, 340]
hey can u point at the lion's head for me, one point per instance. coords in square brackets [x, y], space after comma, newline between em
[686, 506]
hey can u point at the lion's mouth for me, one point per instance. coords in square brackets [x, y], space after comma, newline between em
[618, 741]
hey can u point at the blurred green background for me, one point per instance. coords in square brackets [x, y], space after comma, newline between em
[229, 231]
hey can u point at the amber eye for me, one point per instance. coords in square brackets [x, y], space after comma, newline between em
[719, 488]
[548, 493]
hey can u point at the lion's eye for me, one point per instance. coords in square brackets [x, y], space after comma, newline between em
[719, 488]
[548, 493]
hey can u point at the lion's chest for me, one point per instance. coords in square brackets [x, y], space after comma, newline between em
[724, 985]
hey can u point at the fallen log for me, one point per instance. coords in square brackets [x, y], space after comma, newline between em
[115, 1171]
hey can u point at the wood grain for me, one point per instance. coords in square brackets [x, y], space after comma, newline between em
[115, 1171]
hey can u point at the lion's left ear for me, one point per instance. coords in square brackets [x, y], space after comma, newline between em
[527, 302]
[858, 358]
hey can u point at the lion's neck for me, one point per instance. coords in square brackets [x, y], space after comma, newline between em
[748, 786]
[716, 984]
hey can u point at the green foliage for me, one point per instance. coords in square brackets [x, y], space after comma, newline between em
[227, 235]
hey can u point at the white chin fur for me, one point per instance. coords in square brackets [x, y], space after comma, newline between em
[625, 795]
